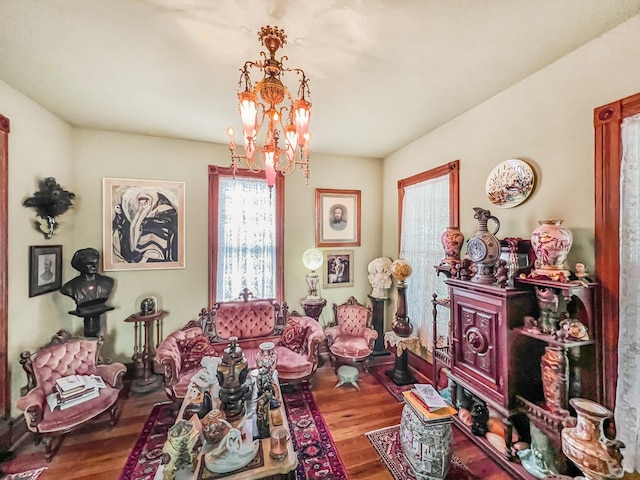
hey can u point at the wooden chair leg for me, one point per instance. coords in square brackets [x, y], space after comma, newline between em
[51, 445]
[114, 412]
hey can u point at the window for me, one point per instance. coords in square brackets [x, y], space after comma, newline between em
[428, 205]
[246, 231]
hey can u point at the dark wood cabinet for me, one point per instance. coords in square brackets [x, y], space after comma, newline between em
[496, 361]
[483, 317]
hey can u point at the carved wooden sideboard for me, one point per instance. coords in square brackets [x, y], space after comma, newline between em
[496, 363]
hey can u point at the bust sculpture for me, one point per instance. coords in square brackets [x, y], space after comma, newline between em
[379, 276]
[89, 290]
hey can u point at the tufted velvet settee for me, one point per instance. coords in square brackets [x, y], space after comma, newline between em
[62, 357]
[253, 321]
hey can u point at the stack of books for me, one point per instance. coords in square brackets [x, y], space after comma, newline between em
[74, 389]
[426, 401]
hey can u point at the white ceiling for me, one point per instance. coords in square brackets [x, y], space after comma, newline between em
[383, 72]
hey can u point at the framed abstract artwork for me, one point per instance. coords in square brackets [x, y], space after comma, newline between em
[45, 269]
[339, 268]
[143, 224]
[337, 218]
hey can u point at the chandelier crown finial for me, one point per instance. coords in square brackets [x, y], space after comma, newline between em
[272, 91]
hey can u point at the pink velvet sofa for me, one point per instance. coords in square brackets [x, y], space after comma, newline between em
[253, 321]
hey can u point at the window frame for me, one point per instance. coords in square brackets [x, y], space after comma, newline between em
[453, 170]
[215, 173]
[607, 120]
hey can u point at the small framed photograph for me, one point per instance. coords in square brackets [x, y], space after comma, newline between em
[45, 269]
[143, 224]
[339, 268]
[337, 218]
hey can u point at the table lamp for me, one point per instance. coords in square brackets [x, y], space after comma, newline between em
[312, 259]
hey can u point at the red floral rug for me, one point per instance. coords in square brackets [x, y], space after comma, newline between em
[386, 441]
[396, 391]
[317, 454]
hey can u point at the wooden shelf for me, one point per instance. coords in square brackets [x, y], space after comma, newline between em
[514, 468]
[545, 337]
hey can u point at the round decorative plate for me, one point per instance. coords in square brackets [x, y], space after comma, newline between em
[510, 183]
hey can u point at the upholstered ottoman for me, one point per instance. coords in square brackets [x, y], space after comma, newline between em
[347, 374]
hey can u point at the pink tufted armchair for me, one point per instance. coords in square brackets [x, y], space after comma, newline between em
[350, 338]
[65, 356]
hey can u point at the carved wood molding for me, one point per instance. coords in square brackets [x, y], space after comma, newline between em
[607, 121]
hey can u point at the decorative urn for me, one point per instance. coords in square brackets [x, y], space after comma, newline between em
[452, 240]
[551, 243]
[585, 444]
[401, 270]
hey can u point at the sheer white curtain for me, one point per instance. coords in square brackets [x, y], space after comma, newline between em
[425, 215]
[627, 411]
[246, 238]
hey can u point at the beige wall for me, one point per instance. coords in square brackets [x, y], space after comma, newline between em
[545, 120]
[40, 145]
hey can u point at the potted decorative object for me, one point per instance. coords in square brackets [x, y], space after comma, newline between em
[49, 202]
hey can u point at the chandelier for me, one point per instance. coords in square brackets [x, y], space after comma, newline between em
[260, 106]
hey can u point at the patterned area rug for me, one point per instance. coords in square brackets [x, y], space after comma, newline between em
[30, 475]
[317, 454]
[378, 373]
[386, 441]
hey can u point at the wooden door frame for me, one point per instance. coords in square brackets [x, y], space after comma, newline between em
[5, 384]
[607, 121]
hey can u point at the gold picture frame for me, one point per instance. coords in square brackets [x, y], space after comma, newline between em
[337, 218]
[143, 224]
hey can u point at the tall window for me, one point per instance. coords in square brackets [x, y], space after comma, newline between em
[429, 204]
[245, 235]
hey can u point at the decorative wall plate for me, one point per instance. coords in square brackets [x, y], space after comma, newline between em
[510, 183]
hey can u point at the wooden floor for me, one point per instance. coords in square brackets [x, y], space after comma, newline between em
[99, 453]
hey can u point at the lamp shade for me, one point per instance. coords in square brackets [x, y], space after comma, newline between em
[312, 258]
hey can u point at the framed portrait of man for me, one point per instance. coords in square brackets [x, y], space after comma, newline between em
[337, 218]
[45, 269]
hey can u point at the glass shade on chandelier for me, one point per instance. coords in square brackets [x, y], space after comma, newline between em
[263, 107]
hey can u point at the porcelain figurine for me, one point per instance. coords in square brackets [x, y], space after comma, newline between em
[379, 276]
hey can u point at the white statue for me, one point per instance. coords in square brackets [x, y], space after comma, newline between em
[379, 276]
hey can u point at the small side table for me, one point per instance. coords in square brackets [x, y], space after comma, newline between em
[313, 307]
[143, 354]
[400, 375]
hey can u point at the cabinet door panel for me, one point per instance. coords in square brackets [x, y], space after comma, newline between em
[477, 326]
